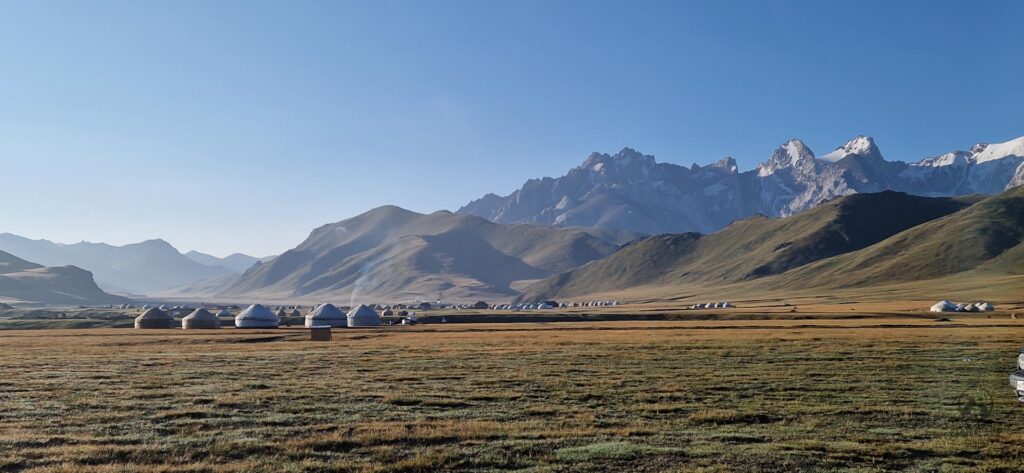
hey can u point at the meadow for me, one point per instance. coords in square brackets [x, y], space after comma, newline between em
[862, 394]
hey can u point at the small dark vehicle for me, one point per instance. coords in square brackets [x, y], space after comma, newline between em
[1017, 378]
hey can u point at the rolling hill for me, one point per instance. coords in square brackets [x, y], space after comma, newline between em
[752, 248]
[987, 237]
[392, 254]
[23, 281]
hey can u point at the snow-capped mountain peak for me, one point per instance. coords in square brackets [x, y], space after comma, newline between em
[989, 152]
[953, 158]
[861, 145]
[630, 191]
[792, 154]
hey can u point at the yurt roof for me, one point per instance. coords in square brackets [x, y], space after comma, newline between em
[326, 311]
[201, 314]
[258, 312]
[281, 313]
[362, 311]
[154, 314]
[223, 313]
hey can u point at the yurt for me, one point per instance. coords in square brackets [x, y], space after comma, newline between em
[256, 316]
[200, 318]
[363, 316]
[281, 314]
[985, 307]
[295, 313]
[944, 306]
[154, 318]
[326, 314]
[223, 313]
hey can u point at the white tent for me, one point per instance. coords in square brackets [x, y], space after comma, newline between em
[363, 316]
[326, 314]
[944, 306]
[223, 313]
[256, 316]
[985, 307]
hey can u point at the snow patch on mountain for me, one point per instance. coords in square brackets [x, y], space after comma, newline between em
[862, 145]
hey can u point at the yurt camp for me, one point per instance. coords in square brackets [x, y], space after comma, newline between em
[256, 316]
[199, 319]
[154, 318]
[326, 314]
[363, 316]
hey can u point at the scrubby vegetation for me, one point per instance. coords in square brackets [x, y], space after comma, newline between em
[639, 396]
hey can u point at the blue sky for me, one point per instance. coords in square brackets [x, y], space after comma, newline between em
[229, 126]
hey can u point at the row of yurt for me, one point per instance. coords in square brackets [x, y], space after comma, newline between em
[949, 306]
[258, 316]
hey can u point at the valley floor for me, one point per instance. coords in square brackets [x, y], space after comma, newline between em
[857, 394]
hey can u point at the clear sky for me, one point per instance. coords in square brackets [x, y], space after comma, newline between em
[228, 126]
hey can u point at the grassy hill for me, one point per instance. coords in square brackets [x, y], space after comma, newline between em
[25, 281]
[752, 248]
[985, 237]
[392, 254]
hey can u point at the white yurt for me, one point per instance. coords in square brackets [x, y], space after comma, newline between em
[363, 316]
[944, 306]
[223, 313]
[985, 307]
[200, 318]
[256, 316]
[326, 314]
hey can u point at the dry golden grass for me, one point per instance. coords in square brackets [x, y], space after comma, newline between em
[768, 395]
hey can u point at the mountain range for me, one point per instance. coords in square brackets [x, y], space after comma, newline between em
[856, 240]
[393, 254]
[24, 281]
[631, 191]
[795, 219]
[138, 268]
[236, 262]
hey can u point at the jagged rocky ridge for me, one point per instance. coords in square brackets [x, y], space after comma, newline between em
[631, 191]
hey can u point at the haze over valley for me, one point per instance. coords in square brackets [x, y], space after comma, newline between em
[534, 239]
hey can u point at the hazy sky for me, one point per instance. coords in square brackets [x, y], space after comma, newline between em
[240, 126]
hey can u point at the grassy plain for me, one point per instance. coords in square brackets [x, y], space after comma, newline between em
[745, 395]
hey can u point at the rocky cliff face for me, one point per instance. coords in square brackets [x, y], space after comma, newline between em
[631, 191]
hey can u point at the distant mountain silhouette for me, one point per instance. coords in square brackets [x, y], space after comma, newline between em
[23, 281]
[137, 268]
